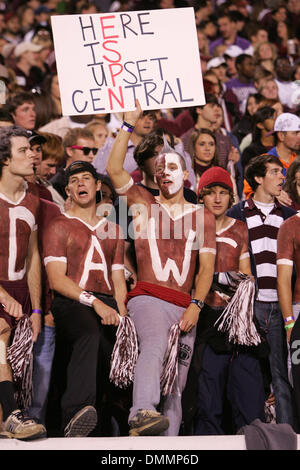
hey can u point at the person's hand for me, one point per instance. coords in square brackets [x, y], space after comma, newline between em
[108, 315]
[68, 203]
[36, 324]
[189, 318]
[234, 155]
[132, 116]
[11, 306]
[284, 198]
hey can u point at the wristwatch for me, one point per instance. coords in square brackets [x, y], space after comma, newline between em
[199, 303]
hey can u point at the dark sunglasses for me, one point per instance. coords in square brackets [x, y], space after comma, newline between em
[86, 150]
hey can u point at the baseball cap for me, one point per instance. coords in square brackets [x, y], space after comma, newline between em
[215, 176]
[26, 46]
[42, 9]
[287, 122]
[78, 167]
[233, 51]
[215, 62]
[36, 138]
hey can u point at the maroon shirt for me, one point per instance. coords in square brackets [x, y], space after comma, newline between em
[90, 253]
[167, 249]
[288, 248]
[17, 221]
[232, 246]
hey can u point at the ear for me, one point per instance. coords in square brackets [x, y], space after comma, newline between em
[258, 179]
[98, 185]
[185, 175]
[67, 190]
[69, 151]
[280, 136]
[259, 125]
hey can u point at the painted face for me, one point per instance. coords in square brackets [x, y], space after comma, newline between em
[169, 174]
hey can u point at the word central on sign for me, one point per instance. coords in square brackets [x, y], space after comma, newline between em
[109, 60]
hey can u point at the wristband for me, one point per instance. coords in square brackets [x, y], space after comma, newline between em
[289, 318]
[86, 298]
[289, 326]
[37, 310]
[127, 127]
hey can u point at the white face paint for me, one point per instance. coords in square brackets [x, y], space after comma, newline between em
[169, 173]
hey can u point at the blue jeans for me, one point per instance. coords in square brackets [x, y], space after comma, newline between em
[43, 352]
[270, 319]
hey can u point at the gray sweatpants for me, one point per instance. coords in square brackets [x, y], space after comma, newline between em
[153, 319]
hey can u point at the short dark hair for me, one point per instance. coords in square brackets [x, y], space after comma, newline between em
[260, 116]
[18, 99]
[146, 147]
[209, 98]
[258, 167]
[6, 134]
[241, 58]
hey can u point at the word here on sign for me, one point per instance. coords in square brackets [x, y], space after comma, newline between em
[106, 61]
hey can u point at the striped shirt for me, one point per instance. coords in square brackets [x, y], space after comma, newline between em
[263, 230]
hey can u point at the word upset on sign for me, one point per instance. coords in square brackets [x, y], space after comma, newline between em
[106, 61]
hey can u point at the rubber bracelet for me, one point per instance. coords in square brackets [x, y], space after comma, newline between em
[127, 127]
[37, 310]
[288, 327]
[289, 318]
[86, 298]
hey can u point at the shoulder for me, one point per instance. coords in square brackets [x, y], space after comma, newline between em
[58, 177]
[60, 223]
[293, 222]
[209, 218]
[240, 225]
[288, 212]
[237, 211]
[114, 228]
[33, 189]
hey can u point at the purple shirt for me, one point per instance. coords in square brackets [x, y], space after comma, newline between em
[241, 91]
[240, 42]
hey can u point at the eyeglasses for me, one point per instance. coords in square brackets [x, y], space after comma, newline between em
[86, 150]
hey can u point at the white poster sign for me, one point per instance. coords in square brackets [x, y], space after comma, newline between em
[107, 60]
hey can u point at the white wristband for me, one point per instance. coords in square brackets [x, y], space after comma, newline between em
[86, 298]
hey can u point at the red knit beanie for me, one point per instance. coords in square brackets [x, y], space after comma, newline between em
[215, 176]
